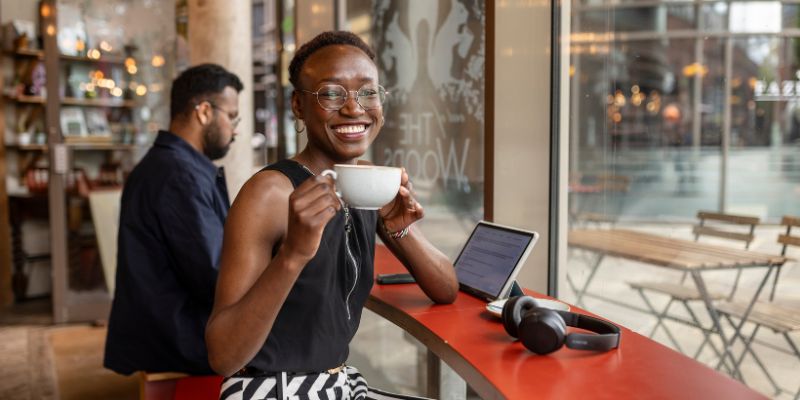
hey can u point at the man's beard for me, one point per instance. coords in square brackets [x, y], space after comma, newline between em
[212, 137]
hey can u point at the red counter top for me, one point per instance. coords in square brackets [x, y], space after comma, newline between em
[473, 342]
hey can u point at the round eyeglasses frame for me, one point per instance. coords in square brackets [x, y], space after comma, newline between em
[350, 93]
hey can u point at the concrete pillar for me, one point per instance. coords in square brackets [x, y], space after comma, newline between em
[220, 32]
[313, 18]
[522, 57]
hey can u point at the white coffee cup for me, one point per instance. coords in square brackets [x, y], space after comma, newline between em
[367, 187]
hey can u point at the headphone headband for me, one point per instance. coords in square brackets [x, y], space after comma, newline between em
[606, 335]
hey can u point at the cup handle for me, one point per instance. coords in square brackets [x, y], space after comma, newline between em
[330, 172]
[334, 175]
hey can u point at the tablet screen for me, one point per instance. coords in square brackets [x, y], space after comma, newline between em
[490, 259]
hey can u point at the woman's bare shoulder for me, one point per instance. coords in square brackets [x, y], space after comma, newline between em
[266, 185]
[261, 207]
[264, 198]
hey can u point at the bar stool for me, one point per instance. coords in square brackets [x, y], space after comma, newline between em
[178, 386]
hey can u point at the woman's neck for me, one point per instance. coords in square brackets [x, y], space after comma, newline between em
[317, 163]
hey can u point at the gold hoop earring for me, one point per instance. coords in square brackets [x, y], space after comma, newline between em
[299, 126]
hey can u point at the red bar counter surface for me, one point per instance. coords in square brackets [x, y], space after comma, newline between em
[473, 342]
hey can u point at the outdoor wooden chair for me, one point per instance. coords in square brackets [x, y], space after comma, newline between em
[782, 318]
[727, 226]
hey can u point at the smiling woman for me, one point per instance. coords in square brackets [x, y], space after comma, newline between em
[343, 128]
[296, 266]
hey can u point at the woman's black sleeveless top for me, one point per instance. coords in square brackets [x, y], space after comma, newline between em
[323, 310]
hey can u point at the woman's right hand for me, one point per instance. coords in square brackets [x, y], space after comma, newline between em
[311, 206]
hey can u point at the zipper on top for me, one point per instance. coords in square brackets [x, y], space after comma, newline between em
[347, 229]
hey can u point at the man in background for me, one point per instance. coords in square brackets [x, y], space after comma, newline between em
[173, 209]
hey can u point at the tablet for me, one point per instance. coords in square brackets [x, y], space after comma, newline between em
[491, 259]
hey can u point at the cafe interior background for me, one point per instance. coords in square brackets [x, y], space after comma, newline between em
[631, 114]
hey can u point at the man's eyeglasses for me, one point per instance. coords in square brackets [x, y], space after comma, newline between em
[334, 97]
[235, 120]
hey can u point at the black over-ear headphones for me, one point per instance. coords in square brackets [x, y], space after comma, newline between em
[544, 331]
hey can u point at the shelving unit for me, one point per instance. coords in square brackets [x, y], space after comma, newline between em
[76, 147]
[73, 101]
[78, 287]
[40, 55]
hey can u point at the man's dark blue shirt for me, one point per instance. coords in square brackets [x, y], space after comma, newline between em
[172, 215]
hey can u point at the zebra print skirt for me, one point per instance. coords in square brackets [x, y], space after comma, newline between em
[347, 384]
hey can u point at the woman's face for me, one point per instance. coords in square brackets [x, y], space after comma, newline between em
[344, 134]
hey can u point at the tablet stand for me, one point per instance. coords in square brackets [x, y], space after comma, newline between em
[516, 290]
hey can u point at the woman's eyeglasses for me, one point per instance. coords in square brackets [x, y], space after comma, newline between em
[334, 97]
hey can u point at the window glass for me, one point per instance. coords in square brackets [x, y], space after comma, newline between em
[714, 16]
[678, 108]
[789, 14]
[712, 106]
[635, 19]
[430, 57]
[754, 17]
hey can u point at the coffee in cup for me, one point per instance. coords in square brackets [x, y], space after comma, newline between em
[367, 187]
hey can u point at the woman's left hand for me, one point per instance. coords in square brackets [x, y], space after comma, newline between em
[404, 210]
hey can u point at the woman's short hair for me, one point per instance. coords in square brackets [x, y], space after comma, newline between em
[328, 38]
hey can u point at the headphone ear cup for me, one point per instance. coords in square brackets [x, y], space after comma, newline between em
[542, 331]
[513, 310]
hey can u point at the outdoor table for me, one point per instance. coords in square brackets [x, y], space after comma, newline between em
[683, 255]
